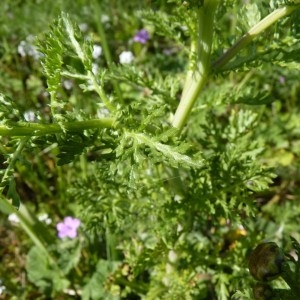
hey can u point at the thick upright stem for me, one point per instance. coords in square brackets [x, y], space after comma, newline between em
[197, 75]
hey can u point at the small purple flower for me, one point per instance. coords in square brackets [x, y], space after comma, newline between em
[142, 36]
[68, 228]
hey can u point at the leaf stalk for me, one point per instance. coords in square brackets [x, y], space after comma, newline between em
[36, 129]
[252, 33]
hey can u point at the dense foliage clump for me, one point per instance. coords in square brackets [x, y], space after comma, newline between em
[161, 138]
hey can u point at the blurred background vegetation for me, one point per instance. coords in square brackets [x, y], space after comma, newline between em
[45, 187]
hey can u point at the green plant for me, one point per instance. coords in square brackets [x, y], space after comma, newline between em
[167, 191]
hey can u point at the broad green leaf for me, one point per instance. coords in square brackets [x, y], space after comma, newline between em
[43, 273]
[95, 288]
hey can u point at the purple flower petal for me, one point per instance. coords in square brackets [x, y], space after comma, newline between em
[68, 228]
[72, 234]
[142, 36]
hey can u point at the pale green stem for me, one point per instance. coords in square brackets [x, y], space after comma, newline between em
[252, 33]
[36, 129]
[190, 73]
[197, 76]
[100, 91]
[97, 87]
